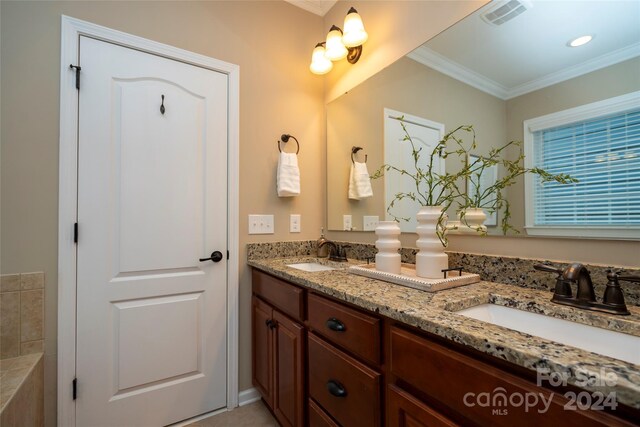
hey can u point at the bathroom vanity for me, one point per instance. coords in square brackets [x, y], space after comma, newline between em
[331, 348]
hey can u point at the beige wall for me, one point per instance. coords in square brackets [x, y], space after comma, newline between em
[356, 118]
[272, 43]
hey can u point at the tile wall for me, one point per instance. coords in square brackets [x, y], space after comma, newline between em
[21, 314]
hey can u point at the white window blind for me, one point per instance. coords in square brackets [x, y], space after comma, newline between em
[604, 154]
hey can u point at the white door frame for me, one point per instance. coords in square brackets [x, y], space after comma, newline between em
[72, 29]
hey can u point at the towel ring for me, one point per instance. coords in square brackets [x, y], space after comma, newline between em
[285, 138]
[354, 150]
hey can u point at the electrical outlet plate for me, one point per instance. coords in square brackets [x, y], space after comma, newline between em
[347, 222]
[294, 223]
[261, 224]
[370, 222]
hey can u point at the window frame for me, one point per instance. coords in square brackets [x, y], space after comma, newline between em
[594, 110]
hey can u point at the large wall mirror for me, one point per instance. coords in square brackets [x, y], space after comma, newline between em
[492, 75]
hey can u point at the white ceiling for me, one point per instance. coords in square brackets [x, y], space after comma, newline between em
[319, 7]
[530, 51]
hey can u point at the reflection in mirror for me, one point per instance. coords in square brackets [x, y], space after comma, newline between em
[493, 77]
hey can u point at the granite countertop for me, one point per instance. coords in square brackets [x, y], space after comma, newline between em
[435, 313]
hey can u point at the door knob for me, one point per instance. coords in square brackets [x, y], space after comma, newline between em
[216, 256]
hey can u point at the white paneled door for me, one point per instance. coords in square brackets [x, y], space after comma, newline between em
[425, 135]
[152, 201]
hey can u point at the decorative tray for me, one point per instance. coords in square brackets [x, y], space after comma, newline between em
[408, 277]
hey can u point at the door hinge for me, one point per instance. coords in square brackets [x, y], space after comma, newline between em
[75, 232]
[77, 68]
[74, 386]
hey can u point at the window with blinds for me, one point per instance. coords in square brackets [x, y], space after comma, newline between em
[599, 144]
[603, 153]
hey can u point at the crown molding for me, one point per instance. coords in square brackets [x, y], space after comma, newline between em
[440, 63]
[318, 7]
[459, 72]
[602, 61]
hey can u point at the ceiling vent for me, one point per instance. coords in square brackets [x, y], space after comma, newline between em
[504, 11]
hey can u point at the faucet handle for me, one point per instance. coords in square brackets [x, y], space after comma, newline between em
[563, 287]
[341, 250]
[613, 295]
[634, 279]
[548, 268]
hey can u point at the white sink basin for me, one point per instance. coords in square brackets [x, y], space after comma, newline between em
[310, 266]
[608, 343]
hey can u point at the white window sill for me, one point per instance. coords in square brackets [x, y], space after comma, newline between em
[616, 233]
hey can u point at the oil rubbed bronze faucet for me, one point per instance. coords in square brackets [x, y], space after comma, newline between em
[612, 301]
[336, 252]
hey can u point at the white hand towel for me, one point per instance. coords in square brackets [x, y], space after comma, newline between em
[288, 179]
[359, 182]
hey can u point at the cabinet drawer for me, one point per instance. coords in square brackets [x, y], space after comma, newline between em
[344, 387]
[349, 328]
[286, 297]
[459, 382]
[404, 410]
[319, 418]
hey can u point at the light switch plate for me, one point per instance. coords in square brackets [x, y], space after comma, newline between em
[294, 223]
[347, 222]
[261, 224]
[370, 222]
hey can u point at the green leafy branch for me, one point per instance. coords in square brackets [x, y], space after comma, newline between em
[430, 188]
[492, 197]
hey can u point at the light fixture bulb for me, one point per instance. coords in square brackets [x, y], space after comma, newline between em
[354, 33]
[580, 41]
[319, 63]
[335, 50]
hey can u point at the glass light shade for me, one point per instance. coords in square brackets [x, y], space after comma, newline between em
[354, 33]
[335, 50]
[320, 64]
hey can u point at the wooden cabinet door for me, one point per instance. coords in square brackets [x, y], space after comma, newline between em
[346, 389]
[404, 410]
[289, 344]
[319, 418]
[262, 343]
[351, 329]
[452, 378]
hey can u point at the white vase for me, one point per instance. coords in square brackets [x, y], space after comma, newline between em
[430, 259]
[388, 258]
[472, 220]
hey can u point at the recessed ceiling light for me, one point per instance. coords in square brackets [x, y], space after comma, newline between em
[580, 41]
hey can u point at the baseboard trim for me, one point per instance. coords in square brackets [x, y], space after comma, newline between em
[248, 396]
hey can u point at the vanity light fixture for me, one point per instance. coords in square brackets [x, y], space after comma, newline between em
[582, 40]
[335, 50]
[319, 63]
[339, 44]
